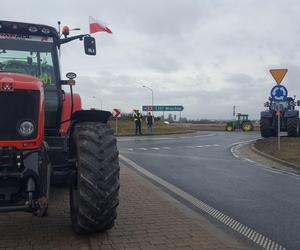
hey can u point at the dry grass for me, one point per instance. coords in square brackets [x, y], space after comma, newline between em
[128, 128]
[206, 127]
[289, 150]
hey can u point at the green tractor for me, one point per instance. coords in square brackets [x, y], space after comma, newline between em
[241, 123]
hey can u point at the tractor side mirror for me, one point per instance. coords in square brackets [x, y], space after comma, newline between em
[89, 45]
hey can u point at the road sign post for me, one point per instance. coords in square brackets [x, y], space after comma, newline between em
[117, 114]
[278, 131]
[278, 114]
[279, 93]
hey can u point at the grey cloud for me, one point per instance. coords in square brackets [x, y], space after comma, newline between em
[206, 55]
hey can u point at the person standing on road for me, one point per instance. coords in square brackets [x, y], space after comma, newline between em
[149, 121]
[137, 117]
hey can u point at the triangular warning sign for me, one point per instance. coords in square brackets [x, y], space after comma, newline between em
[278, 74]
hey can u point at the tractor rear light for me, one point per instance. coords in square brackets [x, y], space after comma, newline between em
[32, 29]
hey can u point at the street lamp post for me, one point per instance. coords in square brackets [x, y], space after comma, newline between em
[152, 94]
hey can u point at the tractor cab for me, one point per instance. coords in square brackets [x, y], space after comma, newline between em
[288, 104]
[32, 49]
[242, 117]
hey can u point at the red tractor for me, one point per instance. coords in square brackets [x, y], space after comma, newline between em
[45, 133]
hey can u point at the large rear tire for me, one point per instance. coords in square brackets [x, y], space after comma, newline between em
[265, 127]
[293, 126]
[95, 186]
[247, 126]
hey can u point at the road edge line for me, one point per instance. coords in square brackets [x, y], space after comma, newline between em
[214, 213]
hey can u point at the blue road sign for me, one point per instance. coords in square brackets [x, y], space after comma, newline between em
[279, 93]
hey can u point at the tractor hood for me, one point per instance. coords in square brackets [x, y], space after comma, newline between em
[11, 81]
[21, 104]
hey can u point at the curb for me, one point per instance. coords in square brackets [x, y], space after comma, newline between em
[286, 163]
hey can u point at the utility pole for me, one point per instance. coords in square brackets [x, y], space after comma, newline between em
[152, 97]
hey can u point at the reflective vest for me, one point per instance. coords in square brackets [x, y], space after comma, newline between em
[137, 117]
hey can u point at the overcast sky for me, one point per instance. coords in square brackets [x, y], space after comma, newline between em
[204, 55]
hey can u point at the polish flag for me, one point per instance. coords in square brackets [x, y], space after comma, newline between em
[96, 26]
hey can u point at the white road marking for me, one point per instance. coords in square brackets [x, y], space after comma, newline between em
[208, 135]
[168, 148]
[146, 138]
[234, 151]
[155, 148]
[242, 142]
[144, 149]
[237, 226]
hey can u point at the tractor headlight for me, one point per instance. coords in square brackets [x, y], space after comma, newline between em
[26, 128]
[33, 29]
[46, 30]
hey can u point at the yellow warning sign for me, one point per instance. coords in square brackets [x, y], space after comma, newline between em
[278, 74]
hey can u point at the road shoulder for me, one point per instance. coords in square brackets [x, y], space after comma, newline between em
[247, 152]
[149, 218]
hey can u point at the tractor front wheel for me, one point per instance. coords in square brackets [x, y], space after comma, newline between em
[293, 126]
[229, 128]
[95, 185]
[247, 126]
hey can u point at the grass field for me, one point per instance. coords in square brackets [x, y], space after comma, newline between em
[128, 128]
[289, 150]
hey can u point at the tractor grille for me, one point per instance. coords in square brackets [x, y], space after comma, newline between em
[15, 107]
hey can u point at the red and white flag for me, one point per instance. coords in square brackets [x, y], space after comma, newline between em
[96, 26]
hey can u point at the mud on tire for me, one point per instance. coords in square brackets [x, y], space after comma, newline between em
[95, 186]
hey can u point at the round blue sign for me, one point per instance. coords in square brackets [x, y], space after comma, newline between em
[279, 93]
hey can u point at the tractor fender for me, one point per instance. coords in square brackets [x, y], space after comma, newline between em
[90, 116]
[291, 113]
[266, 114]
[80, 116]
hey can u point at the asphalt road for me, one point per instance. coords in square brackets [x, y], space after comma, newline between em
[203, 166]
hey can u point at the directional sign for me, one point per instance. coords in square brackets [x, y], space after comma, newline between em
[117, 113]
[278, 74]
[279, 93]
[163, 108]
